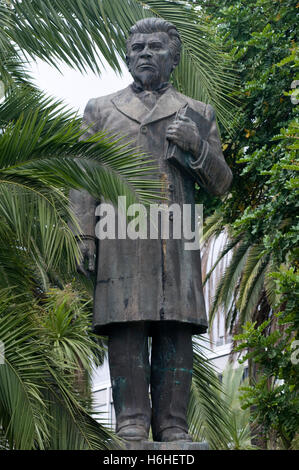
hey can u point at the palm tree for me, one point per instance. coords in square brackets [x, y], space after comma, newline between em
[247, 290]
[244, 291]
[82, 34]
[41, 403]
[208, 414]
[239, 419]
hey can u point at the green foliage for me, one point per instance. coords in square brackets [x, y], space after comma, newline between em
[259, 287]
[262, 209]
[46, 351]
[239, 429]
[274, 397]
[214, 412]
[259, 35]
[208, 413]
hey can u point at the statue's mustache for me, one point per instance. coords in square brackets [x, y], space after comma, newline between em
[146, 65]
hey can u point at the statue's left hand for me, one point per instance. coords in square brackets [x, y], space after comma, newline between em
[184, 133]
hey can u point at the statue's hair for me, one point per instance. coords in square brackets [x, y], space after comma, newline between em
[157, 25]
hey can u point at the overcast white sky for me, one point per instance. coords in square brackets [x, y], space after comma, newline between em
[73, 87]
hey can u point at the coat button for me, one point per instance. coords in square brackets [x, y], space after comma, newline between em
[143, 129]
[170, 187]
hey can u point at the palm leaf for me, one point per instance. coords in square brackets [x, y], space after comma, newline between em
[251, 289]
[22, 409]
[270, 284]
[226, 286]
[213, 226]
[207, 413]
[36, 394]
[66, 327]
[72, 429]
[37, 232]
[21, 100]
[44, 147]
[240, 433]
[230, 245]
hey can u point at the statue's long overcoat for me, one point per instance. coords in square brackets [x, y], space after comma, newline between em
[150, 280]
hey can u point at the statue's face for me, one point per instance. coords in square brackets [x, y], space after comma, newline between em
[149, 58]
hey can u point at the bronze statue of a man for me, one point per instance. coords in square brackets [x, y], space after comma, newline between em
[152, 287]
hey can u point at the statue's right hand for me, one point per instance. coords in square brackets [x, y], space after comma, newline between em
[88, 253]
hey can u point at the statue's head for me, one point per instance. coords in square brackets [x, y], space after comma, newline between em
[153, 51]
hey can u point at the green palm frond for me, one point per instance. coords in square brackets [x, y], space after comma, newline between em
[270, 284]
[23, 100]
[213, 226]
[231, 280]
[239, 428]
[73, 429]
[239, 288]
[230, 245]
[65, 324]
[37, 391]
[253, 260]
[226, 286]
[13, 71]
[22, 409]
[44, 147]
[36, 238]
[82, 34]
[13, 270]
[251, 288]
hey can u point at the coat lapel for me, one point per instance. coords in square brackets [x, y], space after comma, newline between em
[169, 103]
[128, 103]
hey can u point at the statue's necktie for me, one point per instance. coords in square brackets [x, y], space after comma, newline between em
[148, 98]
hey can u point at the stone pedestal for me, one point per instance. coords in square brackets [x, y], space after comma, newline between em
[165, 446]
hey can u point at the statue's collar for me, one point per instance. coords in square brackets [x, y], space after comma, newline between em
[160, 89]
[128, 103]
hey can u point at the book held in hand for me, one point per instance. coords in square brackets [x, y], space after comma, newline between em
[176, 156]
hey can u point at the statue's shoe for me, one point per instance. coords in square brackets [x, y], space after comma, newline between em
[133, 433]
[173, 435]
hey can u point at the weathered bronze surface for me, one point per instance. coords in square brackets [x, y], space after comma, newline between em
[152, 287]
